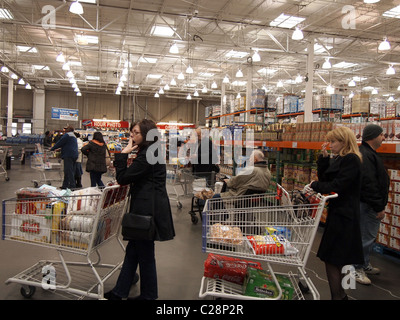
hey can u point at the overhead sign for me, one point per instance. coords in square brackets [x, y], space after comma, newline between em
[64, 114]
[174, 126]
[113, 124]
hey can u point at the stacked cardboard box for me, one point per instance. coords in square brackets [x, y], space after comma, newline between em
[257, 99]
[360, 103]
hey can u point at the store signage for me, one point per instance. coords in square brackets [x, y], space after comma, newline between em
[114, 124]
[174, 126]
[64, 114]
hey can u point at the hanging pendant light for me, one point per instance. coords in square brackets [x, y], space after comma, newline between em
[384, 45]
[374, 91]
[189, 97]
[161, 91]
[352, 83]
[297, 34]
[327, 64]
[390, 70]
[299, 79]
[76, 8]
[4, 69]
[21, 81]
[214, 85]
[181, 76]
[156, 95]
[204, 90]
[189, 69]
[173, 82]
[28, 86]
[60, 58]
[238, 96]
[226, 80]
[330, 89]
[196, 94]
[166, 87]
[256, 57]
[390, 99]
[279, 84]
[174, 49]
[371, 1]
[239, 74]
[351, 95]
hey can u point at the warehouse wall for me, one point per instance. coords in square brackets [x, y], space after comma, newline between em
[99, 105]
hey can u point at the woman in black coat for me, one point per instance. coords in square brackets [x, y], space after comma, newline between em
[96, 151]
[148, 197]
[341, 241]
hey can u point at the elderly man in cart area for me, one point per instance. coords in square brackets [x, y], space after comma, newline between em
[69, 154]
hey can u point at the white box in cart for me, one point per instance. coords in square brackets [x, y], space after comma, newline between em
[30, 227]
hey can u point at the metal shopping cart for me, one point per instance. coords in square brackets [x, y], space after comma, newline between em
[79, 224]
[266, 227]
[49, 166]
[177, 181]
[201, 186]
[3, 159]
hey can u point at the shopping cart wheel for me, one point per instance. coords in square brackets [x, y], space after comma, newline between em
[28, 291]
[35, 184]
[7, 179]
[195, 219]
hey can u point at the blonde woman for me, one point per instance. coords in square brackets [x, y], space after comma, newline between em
[340, 173]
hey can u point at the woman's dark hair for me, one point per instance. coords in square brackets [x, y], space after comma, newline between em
[145, 126]
[98, 136]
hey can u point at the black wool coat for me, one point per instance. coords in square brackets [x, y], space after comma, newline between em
[148, 191]
[96, 157]
[341, 241]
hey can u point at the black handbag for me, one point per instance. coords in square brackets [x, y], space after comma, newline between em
[137, 227]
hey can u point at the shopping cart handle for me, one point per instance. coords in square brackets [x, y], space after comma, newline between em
[308, 189]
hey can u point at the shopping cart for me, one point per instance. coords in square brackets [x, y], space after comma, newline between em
[201, 186]
[48, 165]
[178, 185]
[79, 224]
[3, 159]
[266, 227]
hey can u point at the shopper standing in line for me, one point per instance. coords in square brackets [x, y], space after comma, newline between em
[374, 197]
[341, 241]
[96, 152]
[69, 154]
[148, 197]
[78, 169]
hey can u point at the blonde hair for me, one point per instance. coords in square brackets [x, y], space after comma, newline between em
[345, 135]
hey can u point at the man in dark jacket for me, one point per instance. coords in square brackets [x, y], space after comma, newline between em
[374, 196]
[69, 154]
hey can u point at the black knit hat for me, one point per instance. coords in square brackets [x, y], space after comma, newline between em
[371, 131]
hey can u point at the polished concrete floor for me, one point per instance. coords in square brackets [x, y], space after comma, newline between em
[179, 262]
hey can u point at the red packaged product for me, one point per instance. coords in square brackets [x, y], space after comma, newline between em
[228, 268]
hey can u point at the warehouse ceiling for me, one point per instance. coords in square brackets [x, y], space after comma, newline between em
[215, 38]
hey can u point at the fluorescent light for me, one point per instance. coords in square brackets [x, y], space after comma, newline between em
[390, 70]
[239, 83]
[154, 76]
[162, 31]
[206, 74]
[344, 65]
[27, 49]
[239, 74]
[256, 57]
[41, 67]
[6, 14]
[297, 34]
[384, 45]
[267, 71]
[75, 63]
[327, 64]
[392, 13]
[371, 1]
[83, 39]
[285, 21]
[147, 60]
[236, 54]
[60, 58]
[95, 78]
[174, 49]
[76, 8]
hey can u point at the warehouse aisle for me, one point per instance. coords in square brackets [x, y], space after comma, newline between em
[179, 262]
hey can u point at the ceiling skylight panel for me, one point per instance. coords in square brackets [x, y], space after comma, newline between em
[392, 13]
[285, 21]
[344, 65]
[6, 14]
[147, 60]
[236, 54]
[162, 31]
[27, 49]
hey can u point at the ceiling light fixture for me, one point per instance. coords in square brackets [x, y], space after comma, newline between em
[156, 95]
[79, 94]
[239, 74]
[174, 49]
[21, 81]
[352, 83]
[28, 86]
[390, 70]
[384, 45]
[173, 82]
[161, 91]
[330, 89]
[371, 1]
[214, 85]
[204, 90]
[189, 97]
[390, 99]
[299, 79]
[196, 94]
[166, 87]
[76, 8]
[351, 95]
[279, 84]
[181, 76]
[66, 67]
[297, 34]
[238, 96]
[14, 76]
[4, 69]
[226, 80]
[327, 64]
[60, 58]
[189, 69]
[374, 91]
[256, 56]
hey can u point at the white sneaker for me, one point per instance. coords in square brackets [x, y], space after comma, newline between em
[361, 277]
[371, 270]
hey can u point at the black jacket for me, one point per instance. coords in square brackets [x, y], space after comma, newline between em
[96, 157]
[148, 191]
[341, 241]
[375, 180]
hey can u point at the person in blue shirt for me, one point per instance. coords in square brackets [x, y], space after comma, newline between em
[69, 154]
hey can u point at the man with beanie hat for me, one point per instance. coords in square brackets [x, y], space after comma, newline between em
[374, 196]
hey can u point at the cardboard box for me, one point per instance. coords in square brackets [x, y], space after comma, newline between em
[384, 228]
[394, 232]
[394, 243]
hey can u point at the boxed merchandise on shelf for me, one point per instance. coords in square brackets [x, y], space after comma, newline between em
[216, 110]
[377, 106]
[257, 99]
[272, 101]
[346, 105]
[290, 104]
[337, 101]
[300, 105]
[360, 103]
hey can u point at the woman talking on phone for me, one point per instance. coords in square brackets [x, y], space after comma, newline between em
[148, 197]
[341, 241]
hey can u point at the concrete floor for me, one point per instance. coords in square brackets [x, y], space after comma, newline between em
[179, 262]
